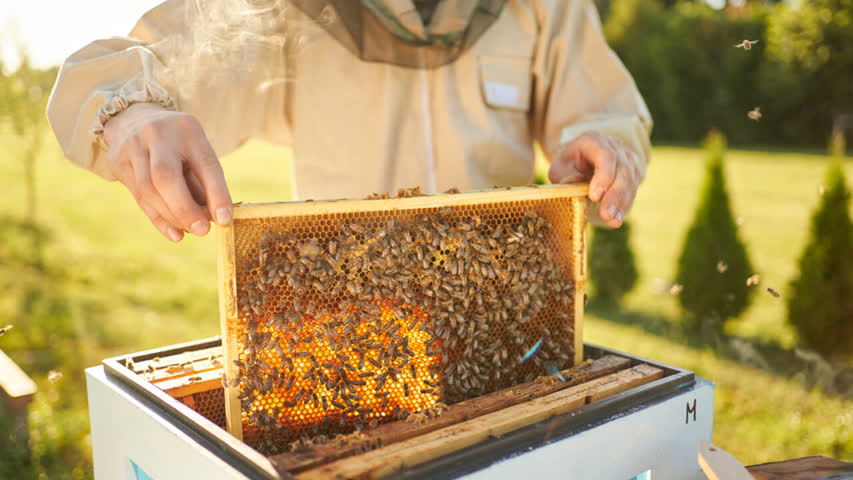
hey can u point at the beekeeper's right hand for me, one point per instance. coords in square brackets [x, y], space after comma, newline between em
[165, 160]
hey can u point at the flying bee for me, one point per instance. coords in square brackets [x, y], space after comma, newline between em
[676, 289]
[746, 44]
[773, 292]
[753, 280]
[754, 114]
[722, 267]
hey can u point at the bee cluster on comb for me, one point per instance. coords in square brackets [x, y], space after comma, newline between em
[355, 320]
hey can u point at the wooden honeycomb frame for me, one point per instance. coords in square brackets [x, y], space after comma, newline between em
[229, 263]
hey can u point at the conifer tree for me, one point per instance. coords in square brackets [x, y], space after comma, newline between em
[820, 305]
[612, 269]
[714, 264]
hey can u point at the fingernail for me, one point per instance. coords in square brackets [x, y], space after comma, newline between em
[611, 211]
[200, 228]
[619, 217]
[223, 216]
[174, 234]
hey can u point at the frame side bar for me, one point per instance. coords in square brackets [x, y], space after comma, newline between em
[579, 217]
[227, 283]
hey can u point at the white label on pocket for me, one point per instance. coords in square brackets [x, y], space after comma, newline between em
[501, 94]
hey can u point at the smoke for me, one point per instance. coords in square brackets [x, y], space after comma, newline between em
[231, 42]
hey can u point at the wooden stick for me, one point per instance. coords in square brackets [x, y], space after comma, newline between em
[284, 209]
[227, 282]
[579, 257]
[718, 464]
[424, 448]
[398, 431]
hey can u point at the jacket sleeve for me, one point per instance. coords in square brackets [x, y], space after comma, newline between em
[581, 85]
[165, 60]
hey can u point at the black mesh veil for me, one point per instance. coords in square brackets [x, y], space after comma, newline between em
[361, 31]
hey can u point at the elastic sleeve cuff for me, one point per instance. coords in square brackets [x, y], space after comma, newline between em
[126, 96]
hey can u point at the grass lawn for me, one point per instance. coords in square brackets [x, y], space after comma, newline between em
[104, 282]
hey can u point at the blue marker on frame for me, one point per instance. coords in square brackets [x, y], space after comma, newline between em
[533, 350]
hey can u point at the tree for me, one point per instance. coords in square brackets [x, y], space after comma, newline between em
[821, 303]
[809, 61]
[714, 265]
[612, 270]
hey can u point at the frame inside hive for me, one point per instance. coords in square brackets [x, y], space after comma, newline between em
[561, 207]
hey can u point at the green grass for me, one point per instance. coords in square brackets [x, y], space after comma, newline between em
[105, 283]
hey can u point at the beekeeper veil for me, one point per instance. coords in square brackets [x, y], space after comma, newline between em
[395, 32]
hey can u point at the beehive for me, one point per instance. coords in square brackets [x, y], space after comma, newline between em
[344, 314]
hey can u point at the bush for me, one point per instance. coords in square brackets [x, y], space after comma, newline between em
[820, 306]
[612, 270]
[714, 266]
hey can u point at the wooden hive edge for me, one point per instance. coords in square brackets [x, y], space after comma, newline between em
[398, 431]
[421, 449]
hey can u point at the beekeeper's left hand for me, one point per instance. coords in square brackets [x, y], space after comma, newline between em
[612, 171]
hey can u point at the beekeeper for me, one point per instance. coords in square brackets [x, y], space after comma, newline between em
[371, 96]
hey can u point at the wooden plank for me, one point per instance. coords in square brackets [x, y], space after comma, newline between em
[17, 386]
[163, 369]
[282, 209]
[392, 458]
[227, 284]
[579, 218]
[189, 385]
[718, 464]
[398, 431]
[807, 468]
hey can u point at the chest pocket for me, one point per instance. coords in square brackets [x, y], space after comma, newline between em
[505, 82]
[506, 87]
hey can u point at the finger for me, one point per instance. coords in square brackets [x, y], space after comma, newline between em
[167, 175]
[196, 188]
[572, 178]
[147, 194]
[619, 197]
[132, 171]
[160, 223]
[207, 168]
[603, 159]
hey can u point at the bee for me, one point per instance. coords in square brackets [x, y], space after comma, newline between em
[675, 289]
[773, 292]
[53, 376]
[194, 379]
[754, 114]
[6, 329]
[753, 280]
[128, 363]
[722, 267]
[746, 44]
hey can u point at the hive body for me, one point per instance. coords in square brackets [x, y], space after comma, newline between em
[345, 314]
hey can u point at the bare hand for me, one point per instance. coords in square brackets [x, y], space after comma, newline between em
[166, 162]
[612, 171]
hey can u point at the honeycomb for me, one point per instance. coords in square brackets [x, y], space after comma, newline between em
[349, 314]
[210, 405]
